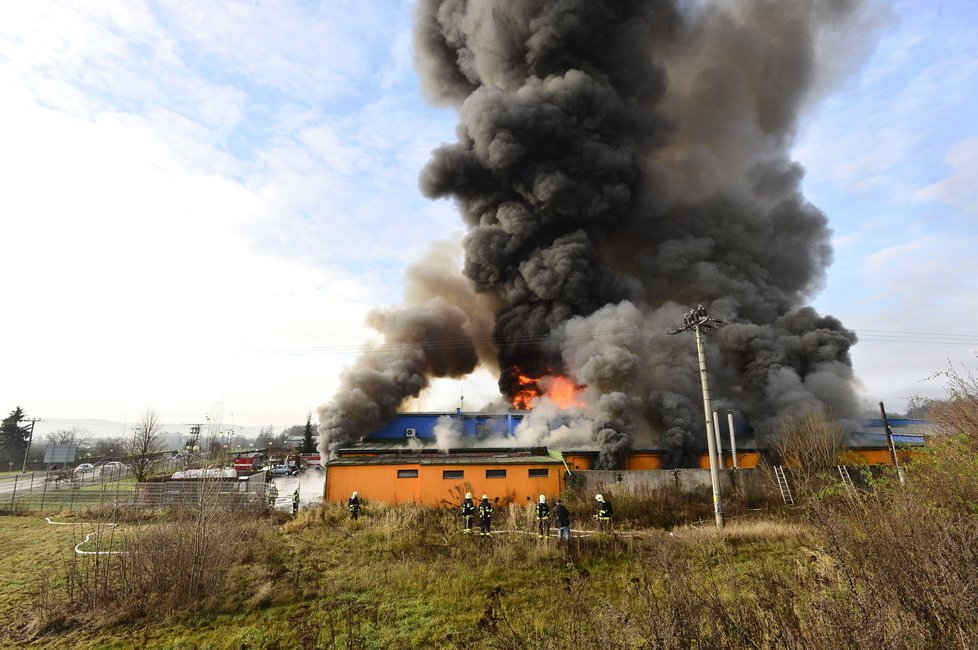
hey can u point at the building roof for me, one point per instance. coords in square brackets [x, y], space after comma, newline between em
[446, 459]
[416, 446]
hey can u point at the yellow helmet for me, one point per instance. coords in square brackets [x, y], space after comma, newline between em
[598, 497]
[468, 495]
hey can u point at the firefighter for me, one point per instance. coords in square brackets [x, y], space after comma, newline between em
[485, 517]
[604, 514]
[295, 502]
[354, 505]
[468, 513]
[543, 517]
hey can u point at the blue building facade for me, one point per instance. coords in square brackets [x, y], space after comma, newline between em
[422, 425]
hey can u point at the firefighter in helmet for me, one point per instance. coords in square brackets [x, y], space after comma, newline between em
[295, 502]
[354, 505]
[604, 513]
[485, 516]
[468, 513]
[543, 517]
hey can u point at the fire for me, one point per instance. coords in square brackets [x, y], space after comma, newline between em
[565, 393]
[561, 390]
[524, 397]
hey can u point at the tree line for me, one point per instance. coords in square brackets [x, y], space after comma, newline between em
[144, 439]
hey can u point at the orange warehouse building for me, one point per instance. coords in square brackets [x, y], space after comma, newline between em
[402, 462]
[441, 480]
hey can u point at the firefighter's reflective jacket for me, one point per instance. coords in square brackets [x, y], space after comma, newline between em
[543, 511]
[485, 510]
[604, 509]
[468, 508]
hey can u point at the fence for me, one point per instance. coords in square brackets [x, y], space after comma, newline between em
[68, 490]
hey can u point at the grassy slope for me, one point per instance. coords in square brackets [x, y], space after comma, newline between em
[401, 578]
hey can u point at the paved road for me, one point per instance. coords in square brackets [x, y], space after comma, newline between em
[35, 480]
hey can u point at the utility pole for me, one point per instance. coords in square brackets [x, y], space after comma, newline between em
[733, 440]
[699, 321]
[30, 439]
[889, 441]
[716, 430]
[192, 446]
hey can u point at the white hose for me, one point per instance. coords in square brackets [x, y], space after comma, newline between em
[87, 537]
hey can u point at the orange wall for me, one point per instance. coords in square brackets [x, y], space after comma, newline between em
[874, 456]
[639, 460]
[745, 460]
[380, 483]
[577, 462]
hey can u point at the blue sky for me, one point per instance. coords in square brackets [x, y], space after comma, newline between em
[201, 201]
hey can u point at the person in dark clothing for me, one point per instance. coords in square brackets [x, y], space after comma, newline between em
[354, 505]
[295, 502]
[604, 514]
[562, 521]
[543, 517]
[485, 517]
[468, 513]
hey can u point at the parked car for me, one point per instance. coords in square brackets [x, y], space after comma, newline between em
[112, 467]
[84, 468]
[283, 470]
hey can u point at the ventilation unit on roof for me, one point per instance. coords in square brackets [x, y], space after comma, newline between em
[410, 433]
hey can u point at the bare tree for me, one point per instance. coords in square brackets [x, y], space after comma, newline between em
[958, 415]
[810, 444]
[75, 436]
[265, 436]
[146, 443]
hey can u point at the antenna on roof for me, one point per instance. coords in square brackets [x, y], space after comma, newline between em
[461, 397]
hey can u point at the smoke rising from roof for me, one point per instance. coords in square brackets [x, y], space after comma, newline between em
[617, 162]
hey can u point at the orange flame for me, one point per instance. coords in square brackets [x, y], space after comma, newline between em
[523, 399]
[564, 393]
[559, 389]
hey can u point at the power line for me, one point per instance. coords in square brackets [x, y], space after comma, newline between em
[449, 345]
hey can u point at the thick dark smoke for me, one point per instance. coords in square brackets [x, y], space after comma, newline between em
[618, 161]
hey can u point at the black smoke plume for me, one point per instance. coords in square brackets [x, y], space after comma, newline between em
[618, 161]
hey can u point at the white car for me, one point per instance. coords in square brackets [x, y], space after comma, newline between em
[85, 468]
[112, 467]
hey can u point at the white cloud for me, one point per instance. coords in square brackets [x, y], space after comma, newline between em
[905, 240]
[304, 50]
[874, 135]
[156, 267]
[960, 189]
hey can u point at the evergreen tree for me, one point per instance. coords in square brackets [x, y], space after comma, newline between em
[308, 446]
[13, 438]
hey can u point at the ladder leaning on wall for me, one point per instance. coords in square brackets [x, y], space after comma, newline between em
[783, 485]
[847, 481]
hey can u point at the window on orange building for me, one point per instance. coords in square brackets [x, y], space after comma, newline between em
[495, 473]
[452, 473]
[407, 473]
[539, 472]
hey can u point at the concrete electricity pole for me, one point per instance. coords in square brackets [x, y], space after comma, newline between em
[699, 321]
[889, 441]
[30, 439]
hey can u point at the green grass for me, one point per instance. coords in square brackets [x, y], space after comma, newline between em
[400, 578]
[835, 574]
